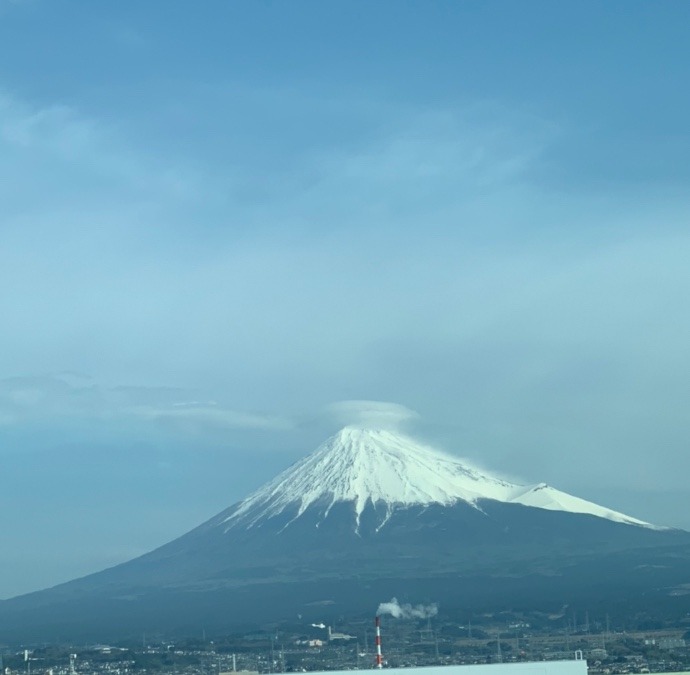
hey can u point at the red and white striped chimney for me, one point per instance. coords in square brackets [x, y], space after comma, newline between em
[379, 657]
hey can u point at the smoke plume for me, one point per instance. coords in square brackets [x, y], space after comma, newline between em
[407, 611]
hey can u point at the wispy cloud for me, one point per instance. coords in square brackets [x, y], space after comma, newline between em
[46, 399]
[210, 414]
[55, 129]
[35, 140]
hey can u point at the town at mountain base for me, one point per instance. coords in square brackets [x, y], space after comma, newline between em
[367, 516]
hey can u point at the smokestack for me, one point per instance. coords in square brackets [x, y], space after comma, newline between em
[379, 657]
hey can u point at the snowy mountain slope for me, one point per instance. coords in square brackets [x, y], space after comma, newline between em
[543, 496]
[364, 466]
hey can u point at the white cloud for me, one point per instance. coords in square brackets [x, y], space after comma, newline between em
[374, 414]
[27, 400]
[197, 414]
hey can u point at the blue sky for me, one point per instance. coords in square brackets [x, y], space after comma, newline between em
[219, 223]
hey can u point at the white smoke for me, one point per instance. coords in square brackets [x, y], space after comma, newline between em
[319, 625]
[407, 611]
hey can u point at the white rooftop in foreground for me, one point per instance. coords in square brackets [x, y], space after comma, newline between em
[574, 667]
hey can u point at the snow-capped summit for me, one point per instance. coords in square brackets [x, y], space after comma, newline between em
[375, 467]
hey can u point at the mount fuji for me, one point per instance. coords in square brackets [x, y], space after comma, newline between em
[368, 515]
